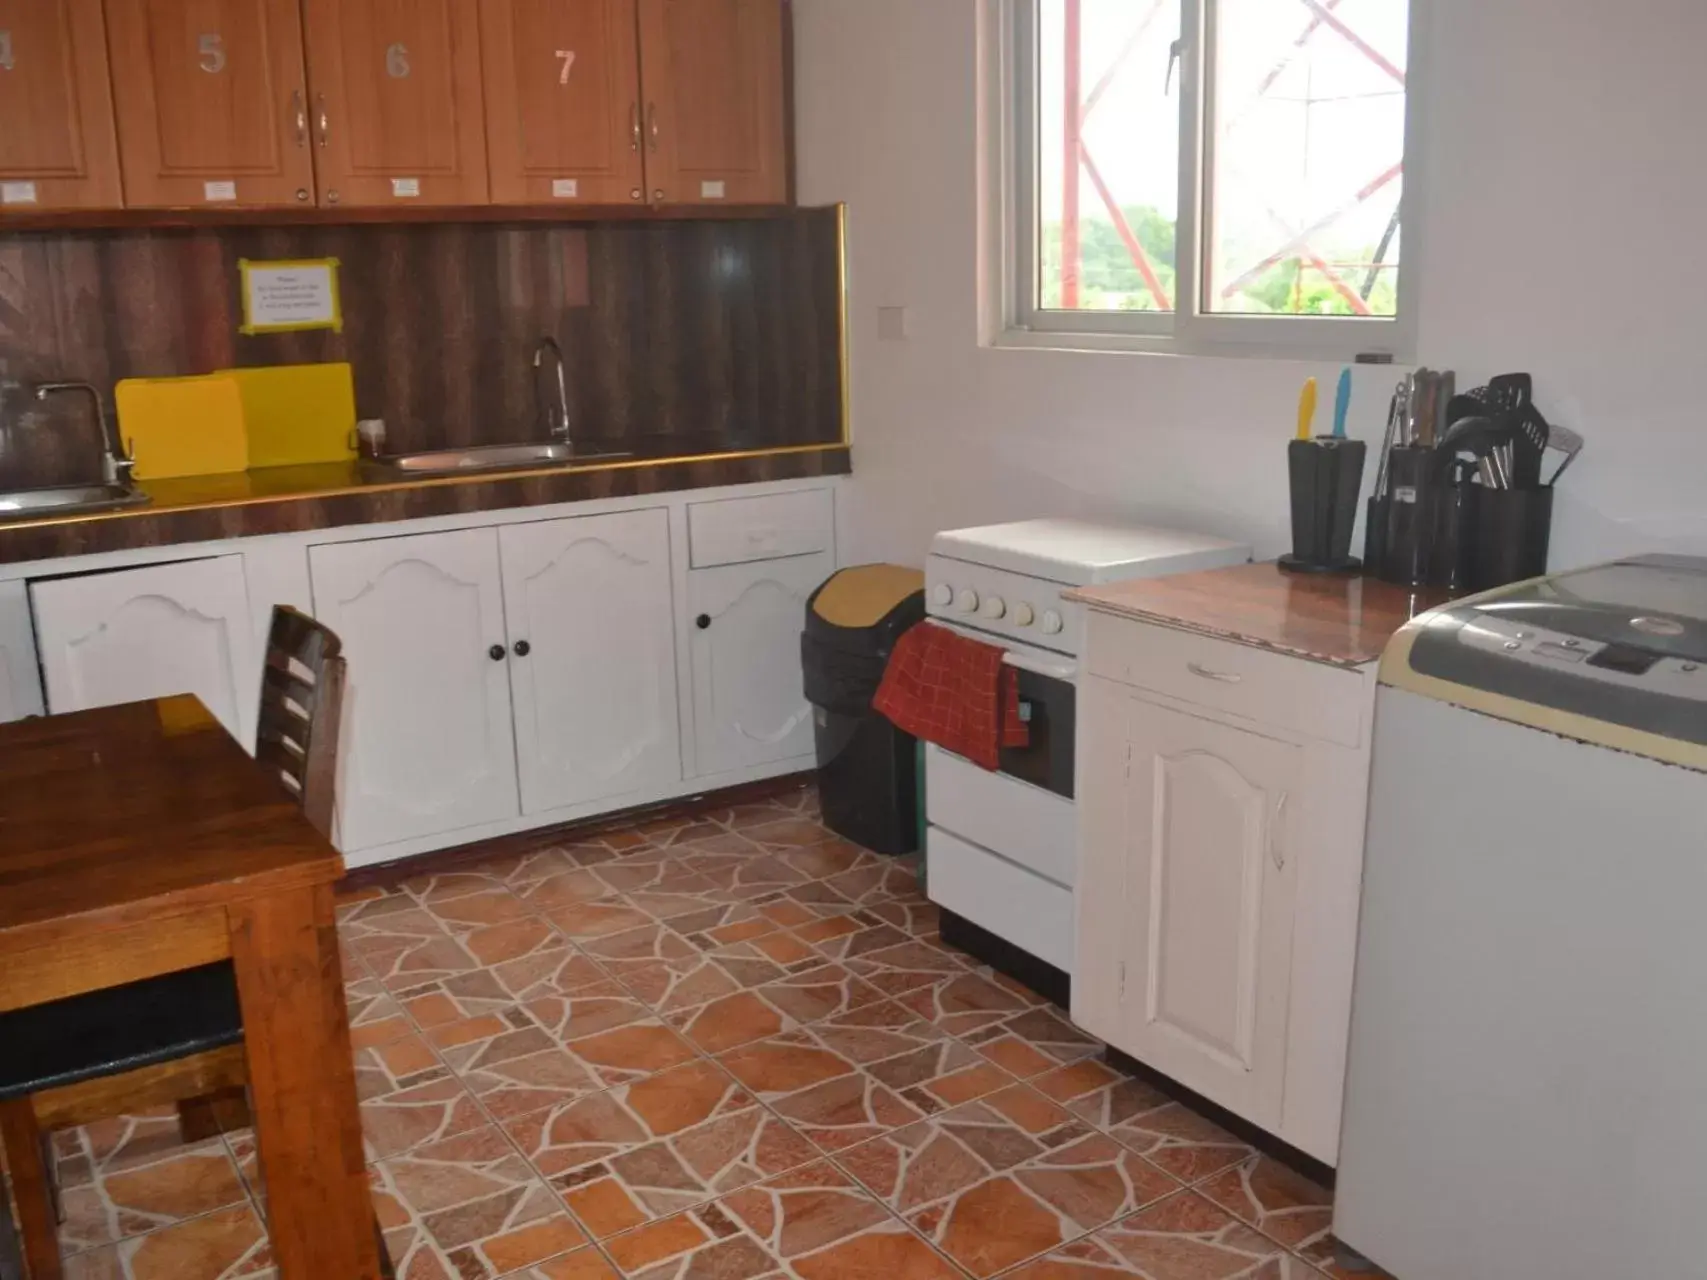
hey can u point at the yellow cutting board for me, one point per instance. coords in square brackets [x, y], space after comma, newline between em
[182, 426]
[298, 413]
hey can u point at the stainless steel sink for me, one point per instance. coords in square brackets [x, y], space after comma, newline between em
[492, 457]
[23, 504]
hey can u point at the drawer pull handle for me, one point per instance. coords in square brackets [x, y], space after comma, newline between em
[1224, 677]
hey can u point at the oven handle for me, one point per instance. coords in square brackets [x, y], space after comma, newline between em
[1067, 672]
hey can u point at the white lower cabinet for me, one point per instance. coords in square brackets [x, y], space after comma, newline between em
[20, 677]
[593, 657]
[429, 745]
[749, 702]
[1196, 900]
[132, 634]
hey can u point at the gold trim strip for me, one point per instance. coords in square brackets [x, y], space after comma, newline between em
[843, 322]
[404, 486]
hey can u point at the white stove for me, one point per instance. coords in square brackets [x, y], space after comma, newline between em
[1002, 847]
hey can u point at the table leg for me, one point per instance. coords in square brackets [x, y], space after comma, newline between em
[302, 1081]
[31, 1189]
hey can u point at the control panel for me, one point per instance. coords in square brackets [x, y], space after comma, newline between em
[1619, 665]
[1006, 604]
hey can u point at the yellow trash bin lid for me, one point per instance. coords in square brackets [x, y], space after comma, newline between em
[865, 595]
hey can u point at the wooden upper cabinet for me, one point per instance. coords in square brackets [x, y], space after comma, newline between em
[57, 149]
[397, 101]
[712, 73]
[212, 102]
[563, 101]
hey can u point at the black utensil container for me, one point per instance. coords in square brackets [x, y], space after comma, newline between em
[1413, 482]
[1514, 528]
[1450, 559]
[1375, 534]
[1326, 477]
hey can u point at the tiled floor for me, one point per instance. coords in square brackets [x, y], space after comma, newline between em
[718, 1049]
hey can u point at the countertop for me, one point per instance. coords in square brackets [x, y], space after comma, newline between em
[334, 495]
[1345, 621]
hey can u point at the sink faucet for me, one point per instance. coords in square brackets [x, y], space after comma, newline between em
[556, 415]
[116, 462]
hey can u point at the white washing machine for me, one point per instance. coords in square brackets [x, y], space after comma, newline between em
[1527, 1084]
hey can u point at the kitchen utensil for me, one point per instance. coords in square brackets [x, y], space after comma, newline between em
[1376, 515]
[182, 426]
[1306, 409]
[1490, 440]
[298, 413]
[1342, 404]
[1413, 481]
[1413, 407]
[1428, 407]
[1567, 442]
[1445, 388]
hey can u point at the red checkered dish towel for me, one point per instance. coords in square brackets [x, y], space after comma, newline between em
[955, 692]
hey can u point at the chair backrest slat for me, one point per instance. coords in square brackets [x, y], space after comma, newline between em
[302, 696]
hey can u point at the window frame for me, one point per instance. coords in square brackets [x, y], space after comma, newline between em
[1187, 330]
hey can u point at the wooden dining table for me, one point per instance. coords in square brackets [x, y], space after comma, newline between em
[139, 840]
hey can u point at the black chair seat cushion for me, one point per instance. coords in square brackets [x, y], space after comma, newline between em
[106, 1033]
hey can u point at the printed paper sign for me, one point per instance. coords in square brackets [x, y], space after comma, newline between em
[405, 188]
[713, 190]
[216, 192]
[17, 193]
[565, 188]
[280, 297]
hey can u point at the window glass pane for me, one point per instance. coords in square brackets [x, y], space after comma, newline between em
[1307, 133]
[1106, 219]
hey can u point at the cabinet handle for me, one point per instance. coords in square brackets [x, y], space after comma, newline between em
[634, 129]
[652, 123]
[703, 622]
[1225, 677]
[325, 119]
[1275, 849]
[299, 107]
[496, 653]
[522, 648]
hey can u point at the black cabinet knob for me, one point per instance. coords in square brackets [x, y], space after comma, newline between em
[703, 622]
[496, 653]
[523, 648]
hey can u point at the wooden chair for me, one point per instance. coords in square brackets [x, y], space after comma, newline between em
[176, 1039]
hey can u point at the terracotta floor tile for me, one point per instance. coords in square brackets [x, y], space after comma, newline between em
[133, 1175]
[818, 859]
[831, 1100]
[592, 1009]
[223, 1245]
[463, 912]
[408, 1097]
[667, 832]
[517, 870]
[471, 1205]
[895, 963]
[630, 1053]
[1034, 1042]
[375, 1017]
[730, 1022]
[583, 1264]
[1178, 1139]
[967, 1002]
[556, 967]
[444, 886]
[812, 1223]
[407, 960]
[1182, 1238]
[1281, 1203]
[881, 880]
[509, 940]
[929, 1069]
[802, 833]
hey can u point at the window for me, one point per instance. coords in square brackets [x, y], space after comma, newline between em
[1212, 173]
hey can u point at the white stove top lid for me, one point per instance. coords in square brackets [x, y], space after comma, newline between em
[1082, 553]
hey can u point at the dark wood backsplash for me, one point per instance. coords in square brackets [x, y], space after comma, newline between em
[727, 330]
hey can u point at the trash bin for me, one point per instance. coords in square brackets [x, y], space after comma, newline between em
[868, 782]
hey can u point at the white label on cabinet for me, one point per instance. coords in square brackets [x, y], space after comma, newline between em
[405, 188]
[17, 193]
[565, 188]
[713, 190]
[214, 192]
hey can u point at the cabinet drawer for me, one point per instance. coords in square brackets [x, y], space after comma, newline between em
[738, 530]
[1307, 698]
[1034, 914]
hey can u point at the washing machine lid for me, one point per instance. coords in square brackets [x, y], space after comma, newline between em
[1615, 654]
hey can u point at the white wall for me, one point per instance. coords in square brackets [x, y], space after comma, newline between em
[1562, 232]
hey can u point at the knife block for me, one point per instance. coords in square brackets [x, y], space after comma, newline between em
[1326, 477]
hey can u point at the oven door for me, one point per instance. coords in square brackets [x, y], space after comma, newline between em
[1048, 699]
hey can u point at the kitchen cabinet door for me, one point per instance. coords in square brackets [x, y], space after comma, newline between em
[1187, 882]
[398, 102]
[593, 657]
[212, 102]
[133, 634]
[713, 76]
[57, 147]
[20, 677]
[749, 701]
[563, 119]
[427, 746]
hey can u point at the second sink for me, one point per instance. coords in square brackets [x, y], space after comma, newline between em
[492, 457]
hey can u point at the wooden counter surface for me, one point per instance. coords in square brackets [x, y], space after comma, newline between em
[1339, 620]
[334, 495]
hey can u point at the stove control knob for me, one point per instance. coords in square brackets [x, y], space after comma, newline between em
[967, 601]
[995, 607]
[1053, 623]
[942, 594]
[1022, 615]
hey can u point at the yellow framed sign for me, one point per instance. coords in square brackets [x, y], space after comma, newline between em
[286, 296]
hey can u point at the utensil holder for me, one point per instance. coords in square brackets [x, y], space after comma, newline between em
[1326, 477]
[1413, 481]
[1375, 534]
[1513, 531]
